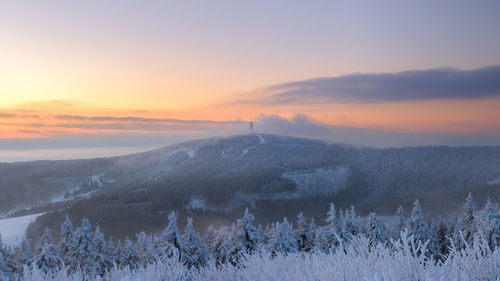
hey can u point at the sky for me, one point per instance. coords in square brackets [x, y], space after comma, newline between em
[96, 78]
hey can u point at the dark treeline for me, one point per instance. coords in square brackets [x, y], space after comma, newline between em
[85, 247]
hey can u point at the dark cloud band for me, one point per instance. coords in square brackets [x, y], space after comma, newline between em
[388, 87]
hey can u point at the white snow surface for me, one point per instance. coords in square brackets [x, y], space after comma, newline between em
[197, 203]
[493, 182]
[352, 263]
[313, 182]
[61, 197]
[261, 141]
[190, 153]
[13, 230]
[96, 179]
[319, 181]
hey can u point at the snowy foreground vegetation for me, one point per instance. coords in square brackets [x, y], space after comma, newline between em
[340, 249]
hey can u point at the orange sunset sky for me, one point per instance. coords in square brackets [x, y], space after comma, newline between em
[71, 70]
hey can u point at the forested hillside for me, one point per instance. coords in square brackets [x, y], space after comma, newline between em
[214, 180]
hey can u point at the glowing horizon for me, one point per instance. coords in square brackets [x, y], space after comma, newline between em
[202, 69]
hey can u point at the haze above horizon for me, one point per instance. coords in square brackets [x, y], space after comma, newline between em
[80, 77]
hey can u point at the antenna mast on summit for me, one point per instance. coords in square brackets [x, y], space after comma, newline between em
[251, 124]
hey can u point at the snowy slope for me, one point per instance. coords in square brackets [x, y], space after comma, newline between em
[13, 230]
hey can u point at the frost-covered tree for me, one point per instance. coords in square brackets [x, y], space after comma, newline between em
[145, 248]
[129, 258]
[24, 255]
[488, 223]
[419, 229]
[46, 237]
[304, 234]
[196, 254]
[247, 235]
[115, 252]
[221, 244]
[210, 236]
[466, 223]
[47, 259]
[7, 266]
[82, 253]
[352, 222]
[282, 241]
[103, 259]
[443, 234]
[170, 243]
[401, 224]
[375, 230]
[328, 237]
[266, 233]
[342, 231]
[66, 234]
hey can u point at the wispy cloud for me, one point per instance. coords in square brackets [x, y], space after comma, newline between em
[135, 119]
[386, 87]
[303, 126]
[7, 115]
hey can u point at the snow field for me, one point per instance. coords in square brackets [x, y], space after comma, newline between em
[13, 230]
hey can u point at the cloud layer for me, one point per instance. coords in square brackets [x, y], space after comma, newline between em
[387, 87]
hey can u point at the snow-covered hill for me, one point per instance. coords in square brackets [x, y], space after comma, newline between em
[13, 230]
[218, 176]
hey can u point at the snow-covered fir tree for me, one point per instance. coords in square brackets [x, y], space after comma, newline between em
[46, 237]
[282, 241]
[145, 248]
[419, 229]
[221, 244]
[82, 254]
[466, 223]
[66, 235]
[247, 235]
[210, 236]
[103, 259]
[115, 252]
[342, 231]
[352, 221]
[170, 243]
[488, 223]
[24, 255]
[47, 259]
[374, 230]
[304, 235]
[196, 254]
[401, 224]
[266, 233]
[327, 236]
[129, 258]
[443, 234]
[7, 266]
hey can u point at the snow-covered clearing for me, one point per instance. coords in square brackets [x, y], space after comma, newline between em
[197, 203]
[493, 182]
[62, 197]
[13, 230]
[326, 180]
[261, 139]
[96, 179]
[319, 181]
